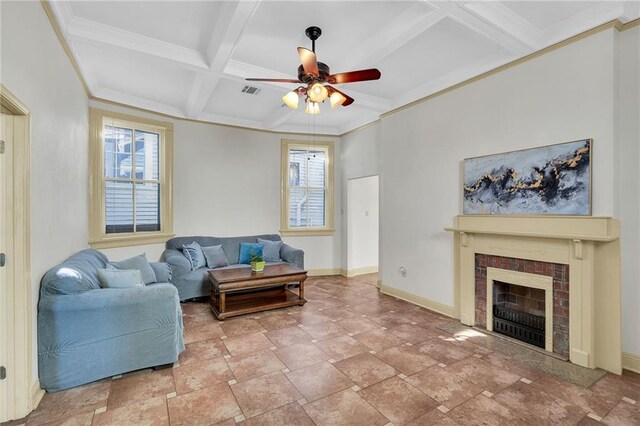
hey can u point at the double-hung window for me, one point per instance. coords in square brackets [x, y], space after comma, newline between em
[130, 180]
[307, 188]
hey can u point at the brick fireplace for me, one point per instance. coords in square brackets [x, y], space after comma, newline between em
[525, 298]
[574, 261]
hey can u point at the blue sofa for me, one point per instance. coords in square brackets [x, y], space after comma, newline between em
[86, 333]
[193, 284]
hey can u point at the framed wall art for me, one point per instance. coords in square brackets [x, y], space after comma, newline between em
[553, 180]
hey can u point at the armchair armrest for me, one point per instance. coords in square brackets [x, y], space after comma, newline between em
[105, 313]
[292, 255]
[180, 265]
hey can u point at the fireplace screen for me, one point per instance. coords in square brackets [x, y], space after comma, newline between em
[519, 325]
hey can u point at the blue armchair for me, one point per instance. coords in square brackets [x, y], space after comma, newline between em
[86, 333]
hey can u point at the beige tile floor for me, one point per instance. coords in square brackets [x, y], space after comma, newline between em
[350, 356]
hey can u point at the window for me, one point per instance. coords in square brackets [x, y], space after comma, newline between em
[307, 183]
[131, 164]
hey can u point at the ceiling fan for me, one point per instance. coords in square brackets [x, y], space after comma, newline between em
[315, 75]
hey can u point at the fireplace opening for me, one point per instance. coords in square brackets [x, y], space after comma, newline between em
[519, 312]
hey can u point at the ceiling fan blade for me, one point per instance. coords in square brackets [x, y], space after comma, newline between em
[309, 61]
[275, 80]
[354, 76]
[349, 100]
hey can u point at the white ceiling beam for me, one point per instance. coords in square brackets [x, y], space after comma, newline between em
[459, 14]
[136, 101]
[84, 30]
[596, 15]
[227, 31]
[395, 34]
[508, 21]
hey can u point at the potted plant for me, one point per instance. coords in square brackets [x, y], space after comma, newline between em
[257, 262]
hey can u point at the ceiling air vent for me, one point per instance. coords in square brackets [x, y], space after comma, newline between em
[250, 90]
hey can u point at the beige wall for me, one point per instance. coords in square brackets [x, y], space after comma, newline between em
[627, 204]
[226, 183]
[362, 225]
[35, 69]
[588, 89]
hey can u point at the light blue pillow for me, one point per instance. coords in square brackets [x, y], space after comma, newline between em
[193, 252]
[118, 278]
[246, 249]
[271, 250]
[215, 256]
[140, 263]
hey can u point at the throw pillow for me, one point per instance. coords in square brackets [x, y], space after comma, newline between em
[163, 271]
[215, 256]
[193, 252]
[140, 263]
[271, 250]
[247, 249]
[120, 278]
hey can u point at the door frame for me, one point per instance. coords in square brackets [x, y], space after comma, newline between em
[350, 272]
[24, 392]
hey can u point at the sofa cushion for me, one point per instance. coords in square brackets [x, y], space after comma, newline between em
[215, 256]
[271, 250]
[163, 271]
[247, 249]
[140, 263]
[120, 278]
[193, 252]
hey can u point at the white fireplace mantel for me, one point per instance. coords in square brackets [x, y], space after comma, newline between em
[591, 248]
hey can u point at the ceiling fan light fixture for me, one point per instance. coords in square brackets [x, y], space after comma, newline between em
[336, 99]
[318, 93]
[312, 108]
[291, 100]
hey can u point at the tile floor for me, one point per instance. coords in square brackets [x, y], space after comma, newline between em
[350, 356]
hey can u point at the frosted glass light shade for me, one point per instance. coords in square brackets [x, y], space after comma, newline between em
[336, 99]
[318, 93]
[291, 100]
[312, 108]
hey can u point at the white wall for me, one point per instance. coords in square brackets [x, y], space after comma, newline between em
[362, 224]
[627, 205]
[36, 69]
[360, 157]
[227, 183]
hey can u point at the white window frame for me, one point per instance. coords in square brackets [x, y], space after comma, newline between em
[98, 237]
[328, 228]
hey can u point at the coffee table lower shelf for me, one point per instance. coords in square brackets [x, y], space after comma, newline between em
[255, 301]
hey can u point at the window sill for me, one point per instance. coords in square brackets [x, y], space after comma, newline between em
[307, 232]
[130, 240]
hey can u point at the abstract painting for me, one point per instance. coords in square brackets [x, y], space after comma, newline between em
[553, 180]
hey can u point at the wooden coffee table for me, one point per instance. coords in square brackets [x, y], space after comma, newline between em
[226, 302]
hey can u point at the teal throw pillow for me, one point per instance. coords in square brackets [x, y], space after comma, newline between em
[215, 256]
[247, 249]
[140, 263]
[117, 278]
[271, 250]
[193, 252]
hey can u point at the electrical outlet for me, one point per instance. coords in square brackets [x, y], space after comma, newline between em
[403, 271]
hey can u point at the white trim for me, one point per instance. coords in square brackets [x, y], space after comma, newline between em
[523, 279]
[631, 362]
[19, 285]
[321, 272]
[36, 394]
[362, 271]
[418, 300]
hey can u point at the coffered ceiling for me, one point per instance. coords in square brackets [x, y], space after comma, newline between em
[189, 58]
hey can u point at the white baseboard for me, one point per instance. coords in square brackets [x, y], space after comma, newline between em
[320, 272]
[36, 394]
[631, 362]
[418, 300]
[361, 271]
